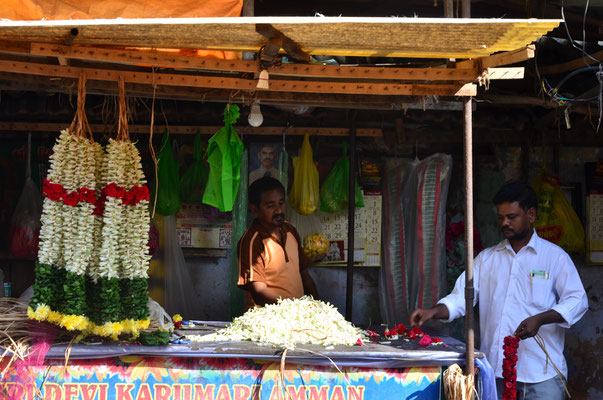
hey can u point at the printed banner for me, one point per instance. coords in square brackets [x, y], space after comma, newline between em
[161, 378]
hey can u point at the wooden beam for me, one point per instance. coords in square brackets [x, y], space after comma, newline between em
[506, 58]
[238, 83]
[21, 82]
[505, 73]
[571, 65]
[192, 129]
[159, 59]
[292, 48]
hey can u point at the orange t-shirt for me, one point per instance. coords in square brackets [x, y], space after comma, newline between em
[262, 258]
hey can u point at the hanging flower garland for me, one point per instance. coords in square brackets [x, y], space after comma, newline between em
[120, 289]
[67, 233]
[511, 343]
[91, 273]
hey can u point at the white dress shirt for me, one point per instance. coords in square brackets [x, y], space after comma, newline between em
[511, 287]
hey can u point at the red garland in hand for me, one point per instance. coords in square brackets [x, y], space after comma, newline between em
[511, 343]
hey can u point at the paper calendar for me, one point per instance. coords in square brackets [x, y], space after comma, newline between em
[367, 233]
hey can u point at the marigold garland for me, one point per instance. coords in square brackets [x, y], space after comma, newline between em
[511, 343]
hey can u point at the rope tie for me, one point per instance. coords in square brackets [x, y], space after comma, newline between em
[79, 126]
[122, 121]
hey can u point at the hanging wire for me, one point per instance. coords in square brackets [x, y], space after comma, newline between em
[572, 42]
[553, 91]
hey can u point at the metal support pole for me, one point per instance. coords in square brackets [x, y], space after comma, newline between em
[469, 292]
[448, 8]
[466, 8]
[349, 297]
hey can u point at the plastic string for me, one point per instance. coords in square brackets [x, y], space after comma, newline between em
[542, 345]
[151, 148]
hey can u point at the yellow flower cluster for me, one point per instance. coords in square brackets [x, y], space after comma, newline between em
[177, 318]
[316, 246]
[81, 323]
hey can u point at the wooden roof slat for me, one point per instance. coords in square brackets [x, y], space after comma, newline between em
[505, 58]
[154, 58]
[239, 83]
[193, 129]
[354, 36]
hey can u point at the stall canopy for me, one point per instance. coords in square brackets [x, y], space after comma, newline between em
[351, 36]
[163, 53]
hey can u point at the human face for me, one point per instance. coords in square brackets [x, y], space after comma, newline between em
[271, 210]
[267, 155]
[515, 223]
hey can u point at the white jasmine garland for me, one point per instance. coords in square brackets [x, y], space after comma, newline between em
[288, 323]
[113, 171]
[98, 219]
[51, 243]
[85, 219]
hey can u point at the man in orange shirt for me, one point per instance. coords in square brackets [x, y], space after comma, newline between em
[272, 263]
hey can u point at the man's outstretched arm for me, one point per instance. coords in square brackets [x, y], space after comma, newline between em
[422, 315]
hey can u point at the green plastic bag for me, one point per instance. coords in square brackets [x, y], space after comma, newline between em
[335, 189]
[168, 184]
[224, 157]
[194, 180]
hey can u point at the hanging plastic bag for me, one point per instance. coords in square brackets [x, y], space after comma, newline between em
[194, 179]
[224, 157]
[25, 224]
[304, 197]
[335, 189]
[556, 220]
[168, 191]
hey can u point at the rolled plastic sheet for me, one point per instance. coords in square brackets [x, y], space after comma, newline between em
[413, 273]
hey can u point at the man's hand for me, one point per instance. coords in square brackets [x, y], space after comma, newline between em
[529, 327]
[309, 286]
[261, 294]
[422, 315]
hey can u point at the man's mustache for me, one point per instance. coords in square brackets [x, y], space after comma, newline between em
[276, 216]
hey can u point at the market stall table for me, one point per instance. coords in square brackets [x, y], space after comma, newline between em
[242, 370]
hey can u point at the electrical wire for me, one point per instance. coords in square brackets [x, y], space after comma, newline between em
[553, 92]
[572, 42]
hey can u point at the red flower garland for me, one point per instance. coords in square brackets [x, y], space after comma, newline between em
[511, 343]
[57, 192]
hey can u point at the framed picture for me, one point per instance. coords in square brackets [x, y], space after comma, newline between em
[263, 160]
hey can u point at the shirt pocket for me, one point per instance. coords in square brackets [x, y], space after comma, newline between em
[540, 293]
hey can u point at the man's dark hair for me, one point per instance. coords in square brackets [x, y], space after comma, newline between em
[262, 185]
[517, 192]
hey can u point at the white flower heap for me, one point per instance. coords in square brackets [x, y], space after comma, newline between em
[288, 323]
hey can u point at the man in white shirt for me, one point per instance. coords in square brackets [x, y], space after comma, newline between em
[525, 286]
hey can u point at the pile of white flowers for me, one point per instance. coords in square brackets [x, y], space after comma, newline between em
[288, 323]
